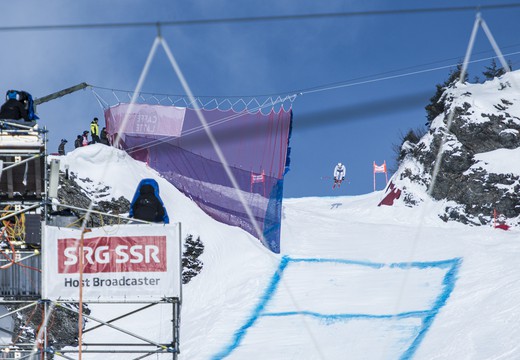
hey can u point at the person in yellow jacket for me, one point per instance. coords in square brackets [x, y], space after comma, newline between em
[94, 130]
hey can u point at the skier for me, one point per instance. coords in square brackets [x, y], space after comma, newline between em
[339, 175]
[61, 147]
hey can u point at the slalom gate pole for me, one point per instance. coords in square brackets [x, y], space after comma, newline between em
[380, 169]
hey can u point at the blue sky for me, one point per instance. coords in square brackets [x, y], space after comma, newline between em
[355, 124]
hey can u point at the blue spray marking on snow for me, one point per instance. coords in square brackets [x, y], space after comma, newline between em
[419, 265]
[240, 333]
[427, 315]
[405, 315]
[444, 264]
[341, 261]
[449, 285]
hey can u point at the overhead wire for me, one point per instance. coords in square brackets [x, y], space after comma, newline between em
[391, 77]
[408, 68]
[288, 97]
[324, 87]
[253, 19]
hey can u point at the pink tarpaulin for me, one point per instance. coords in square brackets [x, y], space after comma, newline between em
[256, 148]
[146, 119]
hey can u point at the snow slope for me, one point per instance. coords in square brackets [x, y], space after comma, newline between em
[353, 280]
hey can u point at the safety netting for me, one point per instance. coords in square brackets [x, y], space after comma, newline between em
[255, 146]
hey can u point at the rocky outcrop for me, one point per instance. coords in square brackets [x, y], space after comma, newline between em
[62, 324]
[486, 120]
[71, 193]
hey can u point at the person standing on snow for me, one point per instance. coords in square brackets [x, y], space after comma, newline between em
[78, 142]
[104, 136]
[339, 174]
[61, 147]
[84, 140]
[94, 130]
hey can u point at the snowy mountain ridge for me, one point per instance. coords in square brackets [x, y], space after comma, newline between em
[353, 280]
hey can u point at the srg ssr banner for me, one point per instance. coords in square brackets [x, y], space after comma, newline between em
[119, 263]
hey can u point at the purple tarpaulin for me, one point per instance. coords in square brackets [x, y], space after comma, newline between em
[146, 119]
[254, 145]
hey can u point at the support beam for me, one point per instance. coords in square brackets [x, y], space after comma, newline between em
[60, 93]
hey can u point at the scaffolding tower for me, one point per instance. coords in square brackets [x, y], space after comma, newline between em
[25, 260]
